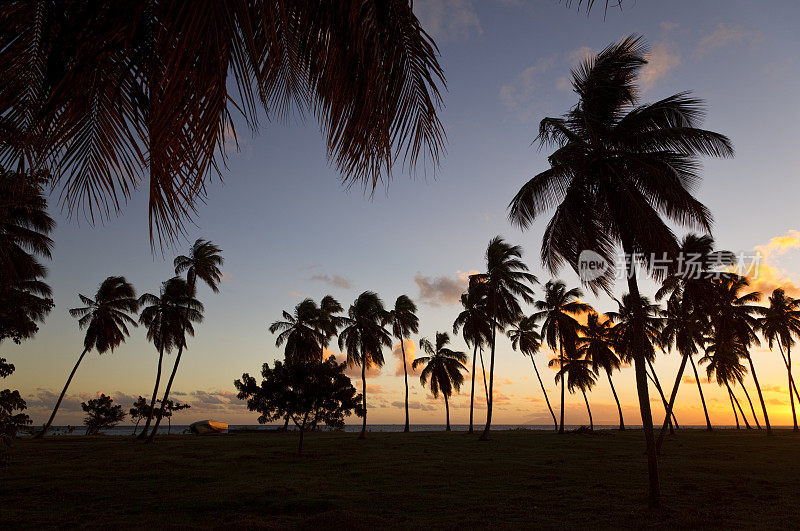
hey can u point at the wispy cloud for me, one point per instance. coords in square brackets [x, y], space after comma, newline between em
[767, 274]
[337, 281]
[661, 60]
[448, 20]
[722, 35]
[442, 290]
[518, 95]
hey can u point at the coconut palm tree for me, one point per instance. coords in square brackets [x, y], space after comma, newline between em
[507, 281]
[106, 319]
[301, 333]
[473, 321]
[780, 323]
[363, 338]
[327, 323]
[203, 262]
[579, 376]
[404, 322]
[723, 355]
[443, 368]
[134, 90]
[557, 310]
[619, 169]
[596, 345]
[161, 315]
[523, 334]
[189, 310]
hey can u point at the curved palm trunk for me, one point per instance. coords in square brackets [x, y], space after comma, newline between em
[657, 383]
[447, 409]
[616, 399]
[485, 385]
[485, 434]
[641, 387]
[672, 396]
[472, 391]
[735, 415]
[166, 396]
[752, 409]
[544, 392]
[591, 422]
[363, 433]
[702, 398]
[61, 396]
[741, 411]
[144, 432]
[791, 381]
[786, 363]
[561, 361]
[405, 376]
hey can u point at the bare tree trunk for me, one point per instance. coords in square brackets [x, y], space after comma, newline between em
[791, 381]
[736, 400]
[702, 398]
[796, 394]
[485, 434]
[363, 434]
[483, 371]
[447, 409]
[472, 391]
[152, 435]
[735, 415]
[405, 376]
[561, 361]
[143, 434]
[591, 422]
[672, 396]
[654, 378]
[616, 399]
[544, 392]
[752, 409]
[61, 397]
[760, 395]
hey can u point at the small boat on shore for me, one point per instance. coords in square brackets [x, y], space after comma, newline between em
[208, 426]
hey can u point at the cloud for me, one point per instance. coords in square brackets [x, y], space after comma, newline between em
[776, 402]
[517, 95]
[353, 371]
[414, 405]
[448, 20]
[691, 380]
[723, 35]
[660, 61]
[765, 274]
[442, 290]
[227, 276]
[411, 350]
[337, 281]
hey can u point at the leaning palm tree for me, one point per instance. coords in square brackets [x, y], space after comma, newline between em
[189, 310]
[363, 338]
[507, 280]
[161, 316]
[404, 322]
[106, 319]
[780, 323]
[523, 334]
[596, 345]
[476, 329]
[723, 355]
[557, 310]
[579, 376]
[443, 368]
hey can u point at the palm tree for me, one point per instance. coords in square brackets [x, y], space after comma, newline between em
[189, 310]
[507, 280]
[618, 169]
[476, 329]
[723, 355]
[404, 322]
[363, 337]
[300, 331]
[105, 319]
[579, 375]
[366, 70]
[596, 345]
[327, 323]
[559, 326]
[779, 323]
[524, 335]
[204, 262]
[162, 316]
[442, 367]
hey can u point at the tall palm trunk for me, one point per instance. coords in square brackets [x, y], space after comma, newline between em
[363, 434]
[786, 363]
[752, 409]
[741, 411]
[483, 370]
[485, 434]
[472, 391]
[447, 409]
[616, 399]
[791, 395]
[735, 415]
[641, 384]
[672, 396]
[544, 392]
[657, 383]
[61, 396]
[561, 361]
[143, 434]
[166, 396]
[702, 398]
[405, 376]
[591, 422]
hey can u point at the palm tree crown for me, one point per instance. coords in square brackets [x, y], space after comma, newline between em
[363, 336]
[169, 315]
[203, 262]
[304, 339]
[596, 344]
[106, 317]
[443, 366]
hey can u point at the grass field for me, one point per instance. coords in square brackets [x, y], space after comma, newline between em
[518, 478]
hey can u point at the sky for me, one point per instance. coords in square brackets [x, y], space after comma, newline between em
[290, 230]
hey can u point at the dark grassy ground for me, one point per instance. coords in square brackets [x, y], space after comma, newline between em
[519, 478]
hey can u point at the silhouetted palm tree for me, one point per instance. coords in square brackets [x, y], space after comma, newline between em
[579, 375]
[618, 168]
[557, 310]
[105, 319]
[136, 89]
[304, 340]
[596, 345]
[404, 322]
[204, 262]
[476, 329]
[363, 338]
[161, 315]
[507, 280]
[327, 323]
[779, 323]
[442, 367]
[723, 356]
[524, 335]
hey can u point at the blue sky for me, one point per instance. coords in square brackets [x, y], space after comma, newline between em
[289, 229]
